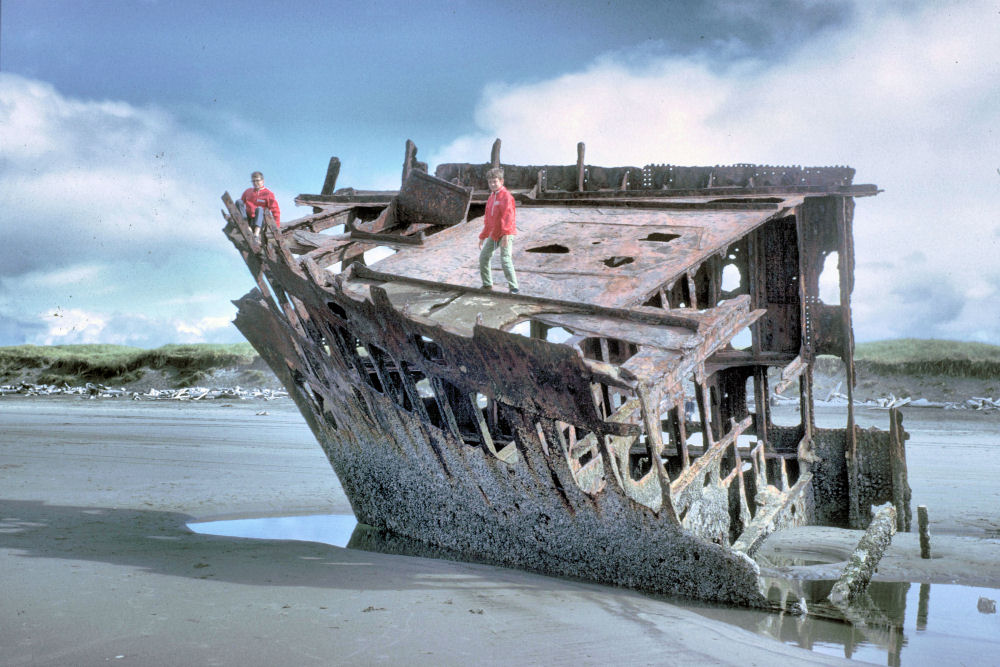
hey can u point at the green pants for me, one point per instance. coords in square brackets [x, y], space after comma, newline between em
[486, 254]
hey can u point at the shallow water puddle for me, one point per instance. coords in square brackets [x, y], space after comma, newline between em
[335, 529]
[899, 623]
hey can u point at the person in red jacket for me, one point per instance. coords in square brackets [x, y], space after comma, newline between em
[498, 232]
[256, 200]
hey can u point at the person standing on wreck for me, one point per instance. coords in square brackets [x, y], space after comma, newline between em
[256, 200]
[498, 231]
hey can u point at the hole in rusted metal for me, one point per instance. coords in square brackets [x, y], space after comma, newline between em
[829, 280]
[337, 310]
[661, 237]
[654, 301]
[377, 253]
[695, 439]
[618, 261]
[558, 335]
[536, 329]
[434, 403]
[464, 407]
[336, 230]
[551, 249]
[731, 278]
[369, 373]
[792, 470]
[611, 350]
[522, 328]
[361, 402]
[501, 423]
[639, 462]
[786, 408]
[392, 374]
[429, 349]
[742, 340]
[751, 394]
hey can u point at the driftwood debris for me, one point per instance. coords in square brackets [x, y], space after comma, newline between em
[97, 390]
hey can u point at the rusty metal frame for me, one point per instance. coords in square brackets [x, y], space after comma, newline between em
[444, 423]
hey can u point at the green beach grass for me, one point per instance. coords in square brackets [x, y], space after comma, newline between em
[913, 356]
[190, 364]
[121, 364]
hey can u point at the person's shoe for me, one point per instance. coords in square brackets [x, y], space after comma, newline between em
[487, 287]
[514, 290]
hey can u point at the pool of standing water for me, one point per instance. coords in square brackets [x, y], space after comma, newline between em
[899, 623]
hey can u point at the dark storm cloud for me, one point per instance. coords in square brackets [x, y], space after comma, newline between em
[769, 28]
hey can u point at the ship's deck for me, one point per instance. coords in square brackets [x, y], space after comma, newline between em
[607, 256]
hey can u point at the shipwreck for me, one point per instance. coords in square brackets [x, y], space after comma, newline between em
[611, 421]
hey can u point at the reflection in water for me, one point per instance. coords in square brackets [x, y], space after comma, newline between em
[896, 623]
[882, 628]
[332, 529]
[925, 599]
[871, 629]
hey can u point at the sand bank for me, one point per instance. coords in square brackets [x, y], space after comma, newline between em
[97, 565]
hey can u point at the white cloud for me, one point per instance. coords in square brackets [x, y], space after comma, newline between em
[85, 180]
[60, 276]
[626, 116]
[73, 326]
[111, 225]
[202, 330]
[185, 299]
[907, 98]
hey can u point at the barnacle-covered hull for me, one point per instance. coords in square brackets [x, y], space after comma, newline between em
[600, 424]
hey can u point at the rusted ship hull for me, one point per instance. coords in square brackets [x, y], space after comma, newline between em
[455, 417]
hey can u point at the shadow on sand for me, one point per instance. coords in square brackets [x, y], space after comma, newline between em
[160, 542]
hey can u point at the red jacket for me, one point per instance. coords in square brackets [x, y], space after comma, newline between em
[499, 219]
[263, 197]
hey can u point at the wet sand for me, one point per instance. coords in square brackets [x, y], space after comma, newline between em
[97, 564]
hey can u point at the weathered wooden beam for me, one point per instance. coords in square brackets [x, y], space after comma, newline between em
[789, 374]
[649, 407]
[773, 512]
[711, 454]
[925, 534]
[332, 172]
[858, 572]
[495, 153]
[389, 239]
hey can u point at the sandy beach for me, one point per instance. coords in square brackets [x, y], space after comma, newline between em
[97, 563]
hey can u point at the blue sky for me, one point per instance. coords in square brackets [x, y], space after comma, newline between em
[121, 123]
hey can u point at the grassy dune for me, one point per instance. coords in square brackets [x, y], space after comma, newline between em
[904, 364]
[912, 356]
[181, 365]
